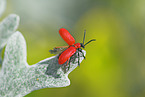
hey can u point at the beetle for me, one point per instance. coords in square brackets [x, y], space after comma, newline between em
[69, 51]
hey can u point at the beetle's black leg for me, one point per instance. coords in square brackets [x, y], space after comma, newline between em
[82, 53]
[78, 58]
[69, 63]
[65, 66]
[64, 69]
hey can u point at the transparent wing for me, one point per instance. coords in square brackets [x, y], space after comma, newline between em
[58, 50]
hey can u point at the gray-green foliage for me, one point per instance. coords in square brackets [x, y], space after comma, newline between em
[17, 78]
[2, 6]
[7, 27]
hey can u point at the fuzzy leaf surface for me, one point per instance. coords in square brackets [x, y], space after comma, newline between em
[7, 27]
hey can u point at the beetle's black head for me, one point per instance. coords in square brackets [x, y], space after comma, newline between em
[82, 45]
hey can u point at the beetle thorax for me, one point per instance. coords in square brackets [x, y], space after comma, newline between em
[77, 45]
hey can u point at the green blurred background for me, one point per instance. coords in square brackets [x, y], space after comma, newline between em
[115, 63]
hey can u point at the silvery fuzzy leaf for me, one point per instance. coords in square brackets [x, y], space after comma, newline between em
[7, 27]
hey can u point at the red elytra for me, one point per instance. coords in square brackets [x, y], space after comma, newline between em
[71, 50]
[66, 36]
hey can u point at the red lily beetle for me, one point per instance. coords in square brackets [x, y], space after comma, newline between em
[71, 49]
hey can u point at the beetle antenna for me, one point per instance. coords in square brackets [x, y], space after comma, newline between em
[84, 36]
[90, 41]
